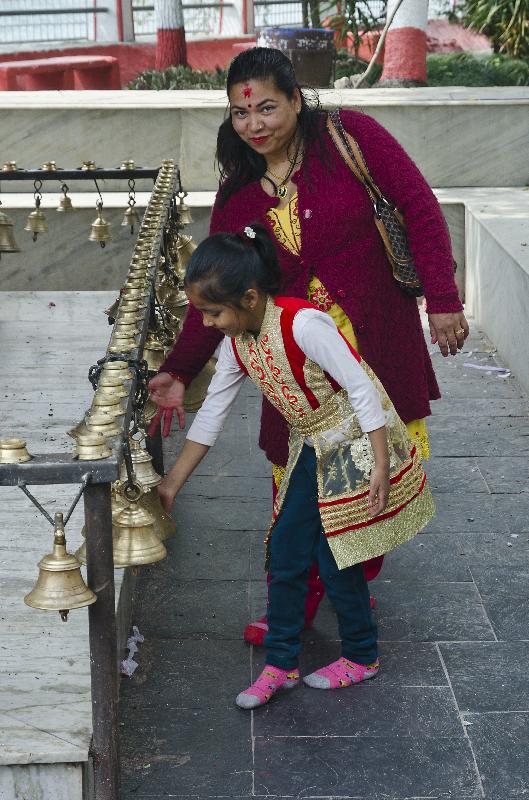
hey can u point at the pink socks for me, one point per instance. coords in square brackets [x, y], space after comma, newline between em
[341, 673]
[267, 684]
[334, 676]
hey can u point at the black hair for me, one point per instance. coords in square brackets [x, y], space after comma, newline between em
[226, 265]
[238, 163]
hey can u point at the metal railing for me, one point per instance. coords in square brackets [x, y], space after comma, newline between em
[200, 19]
[34, 21]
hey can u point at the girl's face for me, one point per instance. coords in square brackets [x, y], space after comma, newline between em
[264, 118]
[228, 320]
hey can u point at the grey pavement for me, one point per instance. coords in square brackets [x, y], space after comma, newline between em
[448, 714]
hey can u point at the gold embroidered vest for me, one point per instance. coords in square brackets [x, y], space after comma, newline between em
[316, 407]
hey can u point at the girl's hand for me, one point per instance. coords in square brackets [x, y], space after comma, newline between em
[168, 394]
[378, 491]
[167, 495]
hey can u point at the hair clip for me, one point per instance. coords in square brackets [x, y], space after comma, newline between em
[249, 232]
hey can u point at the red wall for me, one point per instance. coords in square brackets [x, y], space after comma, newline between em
[135, 58]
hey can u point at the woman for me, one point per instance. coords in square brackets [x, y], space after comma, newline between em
[279, 167]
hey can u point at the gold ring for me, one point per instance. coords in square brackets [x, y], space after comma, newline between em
[460, 331]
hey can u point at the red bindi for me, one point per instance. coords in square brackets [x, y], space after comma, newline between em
[247, 91]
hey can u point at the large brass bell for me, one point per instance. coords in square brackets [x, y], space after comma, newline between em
[100, 228]
[136, 542]
[118, 503]
[36, 222]
[164, 525]
[7, 237]
[60, 586]
[185, 247]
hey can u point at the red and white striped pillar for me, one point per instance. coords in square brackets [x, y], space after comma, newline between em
[405, 46]
[170, 34]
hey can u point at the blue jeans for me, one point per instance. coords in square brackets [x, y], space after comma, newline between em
[297, 542]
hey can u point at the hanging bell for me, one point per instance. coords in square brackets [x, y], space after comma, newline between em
[36, 222]
[100, 228]
[186, 247]
[60, 586]
[131, 218]
[65, 204]
[7, 237]
[13, 451]
[184, 213]
[141, 465]
[112, 310]
[136, 542]
[153, 352]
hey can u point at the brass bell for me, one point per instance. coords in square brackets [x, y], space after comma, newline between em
[142, 466]
[197, 389]
[149, 411]
[136, 542]
[91, 446]
[7, 237]
[153, 352]
[65, 204]
[122, 342]
[184, 214]
[186, 247]
[111, 310]
[13, 451]
[49, 166]
[88, 165]
[78, 430]
[10, 166]
[100, 228]
[128, 164]
[100, 422]
[117, 369]
[110, 404]
[36, 222]
[131, 218]
[60, 586]
[164, 525]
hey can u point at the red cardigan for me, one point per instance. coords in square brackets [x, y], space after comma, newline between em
[341, 246]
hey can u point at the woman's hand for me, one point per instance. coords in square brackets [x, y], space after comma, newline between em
[168, 394]
[378, 491]
[449, 331]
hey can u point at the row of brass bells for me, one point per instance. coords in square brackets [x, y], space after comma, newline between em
[7, 237]
[100, 231]
[60, 586]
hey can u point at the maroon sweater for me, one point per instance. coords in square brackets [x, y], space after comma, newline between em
[341, 246]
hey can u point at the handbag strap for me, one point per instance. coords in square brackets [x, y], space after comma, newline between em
[350, 151]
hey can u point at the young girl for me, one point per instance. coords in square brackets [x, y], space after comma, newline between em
[354, 487]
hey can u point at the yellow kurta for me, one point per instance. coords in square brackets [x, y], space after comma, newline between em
[287, 230]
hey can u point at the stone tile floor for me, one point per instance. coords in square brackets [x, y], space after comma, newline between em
[448, 714]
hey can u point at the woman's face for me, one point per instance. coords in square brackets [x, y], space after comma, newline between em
[264, 117]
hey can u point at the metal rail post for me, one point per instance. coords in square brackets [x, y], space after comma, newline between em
[102, 633]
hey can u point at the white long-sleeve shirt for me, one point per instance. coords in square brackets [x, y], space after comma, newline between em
[317, 336]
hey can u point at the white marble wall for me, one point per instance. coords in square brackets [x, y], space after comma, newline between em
[41, 782]
[497, 282]
[459, 137]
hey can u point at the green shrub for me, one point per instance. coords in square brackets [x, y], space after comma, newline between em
[506, 22]
[464, 69]
[179, 78]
